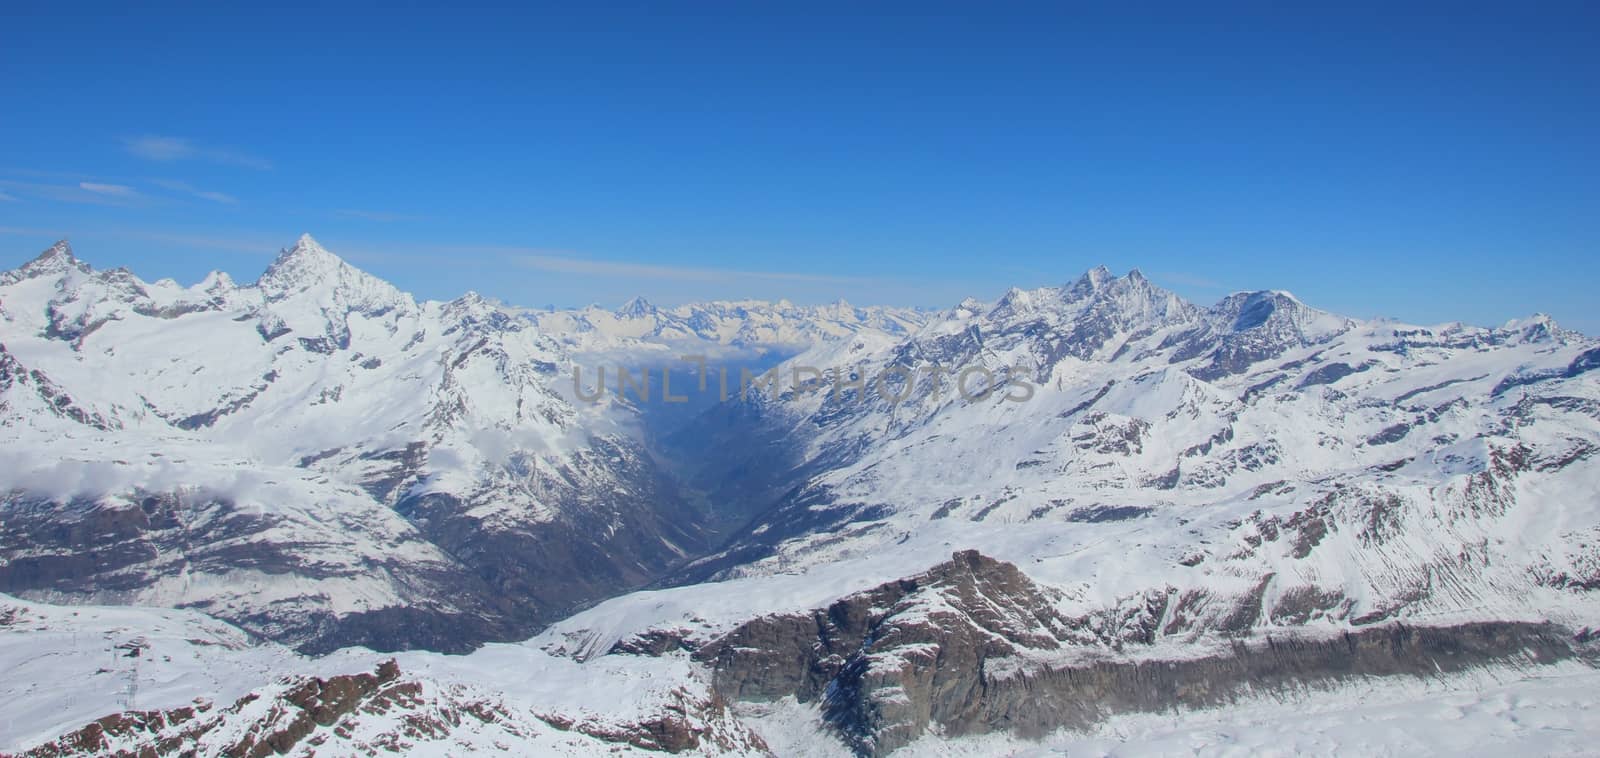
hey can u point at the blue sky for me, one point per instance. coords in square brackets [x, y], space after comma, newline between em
[1428, 163]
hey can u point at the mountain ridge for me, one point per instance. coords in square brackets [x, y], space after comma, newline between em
[328, 463]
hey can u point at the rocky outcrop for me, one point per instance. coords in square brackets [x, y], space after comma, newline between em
[300, 709]
[110, 551]
[384, 712]
[974, 646]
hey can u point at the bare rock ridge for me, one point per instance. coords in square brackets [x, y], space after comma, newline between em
[974, 646]
[971, 646]
[379, 711]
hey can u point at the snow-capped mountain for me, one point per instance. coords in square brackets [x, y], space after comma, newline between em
[1113, 396]
[315, 456]
[1174, 476]
[101, 681]
[718, 325]
[1071, 507]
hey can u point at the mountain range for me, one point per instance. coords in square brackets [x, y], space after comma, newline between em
[291, 498]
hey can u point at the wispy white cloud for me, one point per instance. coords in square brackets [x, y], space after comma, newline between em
[114, 190]
[18, 231]
[168, 149]
[255, 244]
[83, 192]
[383, 217]
[237, 242]
[217, 197]
[565, 264]
[189, 189]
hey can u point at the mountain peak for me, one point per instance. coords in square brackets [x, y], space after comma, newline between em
[1277, 310]
[301, 266]
[54, 261]
[57, 259]
[1091, 282]
[308, 267]
[62, 249]
[636, 307]
[216, 281]
[307, 247]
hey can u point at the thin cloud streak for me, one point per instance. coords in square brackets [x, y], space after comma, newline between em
[243, 243]
[560, 264]
[114, 190]
[164, 149]
[189, 189]
[83, 193]
[18, 231]
[253, 245]
[382, 217]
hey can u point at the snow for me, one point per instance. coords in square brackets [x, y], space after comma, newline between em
[69, 666]
[1015, 480]
[194, 392]
[1487, 714]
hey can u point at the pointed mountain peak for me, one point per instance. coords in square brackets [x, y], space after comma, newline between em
[1091, 282]
[1015, 302]
[637, 307]
[1015, 295]
[61, 250]
[55, 260]
[302, 266]
[217, 281]
[308, 267]
[307, 249]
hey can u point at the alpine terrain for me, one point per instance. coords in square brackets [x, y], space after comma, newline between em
[312, 515]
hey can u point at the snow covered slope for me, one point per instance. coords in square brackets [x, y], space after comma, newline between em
[95, 681]
[750, 324]
[1064, 509]
[1175, 476]
[315, 456]
[1258, 462]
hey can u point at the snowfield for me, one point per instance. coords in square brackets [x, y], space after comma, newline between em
[255, 517]
[51, 653]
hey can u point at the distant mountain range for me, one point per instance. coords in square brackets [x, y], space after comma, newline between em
[1192, 505]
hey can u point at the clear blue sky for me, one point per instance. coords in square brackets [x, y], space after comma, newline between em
[1432, 163]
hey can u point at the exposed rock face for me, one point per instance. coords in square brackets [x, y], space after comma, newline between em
[111, 551]
[385, 712]
[600, 544]
[296, 712]
[975, 646]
